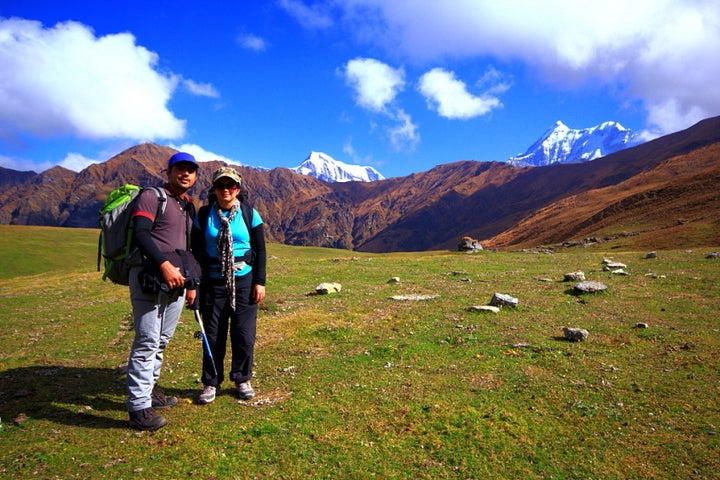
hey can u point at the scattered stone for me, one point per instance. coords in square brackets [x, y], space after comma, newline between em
[575, 334]
[610, 264]
[484, 308]
[466, 280]
[325, 288]
[620, 271]
[574, 277]
[655, 275]
[543, 279]
[590, 287]
[713, 255]
[502, 300]
[641, 325]
[394, 280]
[414, 297]
[651, 255]
[521, 345]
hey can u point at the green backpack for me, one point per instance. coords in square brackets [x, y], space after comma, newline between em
[116, 232]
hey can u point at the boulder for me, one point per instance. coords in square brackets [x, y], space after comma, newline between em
[325, 288]
[502, 300]
[575, 334]
[589, 287]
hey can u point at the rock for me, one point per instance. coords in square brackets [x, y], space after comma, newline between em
[641, 325]
[620, 271]
[484, 308]
[502, 300]
[574, 277]
[394, 280]
[713, 255]
[414, 297]
[610, 264]
[575, 334]
[325, 288]
[590, 287]
[651, 255]
[469, 245]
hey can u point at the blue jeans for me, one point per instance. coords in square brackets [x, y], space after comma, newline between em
[155, 318]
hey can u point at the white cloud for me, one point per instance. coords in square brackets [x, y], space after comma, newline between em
[252, 42]
[404, 136]
[201, 89]
[202, 155]
[663, 53]
[77, 162]
[63, 80]
[376, 84]
[450, 98]
[309, 17]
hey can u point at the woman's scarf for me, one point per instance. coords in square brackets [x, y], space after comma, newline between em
[226, 253]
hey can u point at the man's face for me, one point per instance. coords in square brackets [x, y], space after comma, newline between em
[182, 176]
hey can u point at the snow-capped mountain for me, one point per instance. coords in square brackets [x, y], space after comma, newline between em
[561, 144]
[325, 168]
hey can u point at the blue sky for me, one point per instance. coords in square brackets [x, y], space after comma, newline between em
[399, 85]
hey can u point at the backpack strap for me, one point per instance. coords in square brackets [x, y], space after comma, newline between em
[162, 202]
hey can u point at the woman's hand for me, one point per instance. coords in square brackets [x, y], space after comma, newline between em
[258, 293]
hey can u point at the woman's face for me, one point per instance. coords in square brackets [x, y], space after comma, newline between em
[226, 189]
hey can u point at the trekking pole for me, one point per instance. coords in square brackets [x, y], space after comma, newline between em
[206, 344]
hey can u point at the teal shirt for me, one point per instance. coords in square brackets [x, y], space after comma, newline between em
[240, 235]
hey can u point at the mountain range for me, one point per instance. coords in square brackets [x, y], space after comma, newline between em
[661, 193]
[559, 144]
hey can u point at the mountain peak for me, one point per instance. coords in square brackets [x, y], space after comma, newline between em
[324, 167]
[561, 144]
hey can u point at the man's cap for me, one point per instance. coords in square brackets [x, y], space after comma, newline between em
[181, 157]
[227, 172]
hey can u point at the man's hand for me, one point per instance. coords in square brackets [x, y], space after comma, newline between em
[171, 274]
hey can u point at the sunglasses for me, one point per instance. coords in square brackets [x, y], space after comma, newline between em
[225, 186]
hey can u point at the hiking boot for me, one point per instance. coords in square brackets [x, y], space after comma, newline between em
[207, 395]
[244, 391]
[159, 400]
[147, 419]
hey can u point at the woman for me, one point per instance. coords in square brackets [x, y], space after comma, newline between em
[228, 240]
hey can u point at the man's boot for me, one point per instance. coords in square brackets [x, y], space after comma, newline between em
[146, 419]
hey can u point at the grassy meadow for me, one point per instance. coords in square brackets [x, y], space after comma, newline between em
[356, 385]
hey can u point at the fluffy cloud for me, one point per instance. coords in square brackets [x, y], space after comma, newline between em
[662, 53]
[375, 84]
[309, 17]
[450, 97]
[252, 42]
[64, 80]
[202, 155]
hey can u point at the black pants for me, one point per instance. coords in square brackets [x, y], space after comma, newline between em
[219, 318]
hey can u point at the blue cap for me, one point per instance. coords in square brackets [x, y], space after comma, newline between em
[180, 157]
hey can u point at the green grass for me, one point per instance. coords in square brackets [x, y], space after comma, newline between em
[357, 385]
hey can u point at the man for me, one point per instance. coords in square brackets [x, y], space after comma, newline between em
[155, 315]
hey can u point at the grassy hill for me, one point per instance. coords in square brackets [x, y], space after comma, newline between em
[359, 385]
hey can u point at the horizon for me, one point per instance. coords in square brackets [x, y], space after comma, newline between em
[367, 82]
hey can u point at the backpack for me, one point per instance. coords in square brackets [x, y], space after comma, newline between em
[116, 231]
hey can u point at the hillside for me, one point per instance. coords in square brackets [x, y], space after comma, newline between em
[665, 186]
